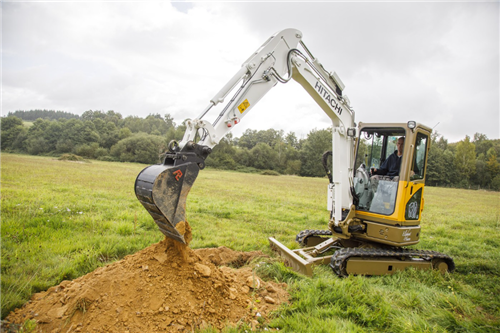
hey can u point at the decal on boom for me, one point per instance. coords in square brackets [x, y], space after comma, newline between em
[328, 98]
[243, 106]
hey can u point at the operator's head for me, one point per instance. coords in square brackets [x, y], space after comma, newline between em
[400, 145]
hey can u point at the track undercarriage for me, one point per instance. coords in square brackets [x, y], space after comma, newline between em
[355, 257]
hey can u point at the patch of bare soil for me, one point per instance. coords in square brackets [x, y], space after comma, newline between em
[163, 288]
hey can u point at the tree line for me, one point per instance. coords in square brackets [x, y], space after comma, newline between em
[33, 115]
[470, 163]
[95, 134]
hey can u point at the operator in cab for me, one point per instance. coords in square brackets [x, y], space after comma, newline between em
[390, 167]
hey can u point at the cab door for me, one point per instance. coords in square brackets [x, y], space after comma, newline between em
[414, 196]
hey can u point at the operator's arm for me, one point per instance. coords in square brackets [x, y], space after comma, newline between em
[383, 168]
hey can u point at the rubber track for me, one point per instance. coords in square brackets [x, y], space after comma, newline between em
[301, 236]
[339, 259]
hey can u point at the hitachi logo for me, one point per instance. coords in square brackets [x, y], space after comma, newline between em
[328, 98]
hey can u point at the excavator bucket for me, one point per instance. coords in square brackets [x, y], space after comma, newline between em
[162, 189]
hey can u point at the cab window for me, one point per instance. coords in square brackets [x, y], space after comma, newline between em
[376, 193]
[419, 154]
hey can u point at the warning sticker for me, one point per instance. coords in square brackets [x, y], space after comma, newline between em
[243, 106]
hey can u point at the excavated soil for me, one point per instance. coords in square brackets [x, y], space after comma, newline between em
[166, 287]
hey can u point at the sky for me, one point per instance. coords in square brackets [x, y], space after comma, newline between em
[433, 62]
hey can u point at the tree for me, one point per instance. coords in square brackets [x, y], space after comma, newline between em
[482, 143]
[37, 145]
[169, 121]
[142, 148]
[89, 134]
[263, 157]
[125, 132]
[11, 127]
[436, 166]
[222, 155]
[465, 160]
[90, 115]
[481, 177]
[292, 140]
[36, 142]
[52, 134]
[317, 142]
[248, 139]
[113, 117]
[492, 164]
[495, 183]
[108, 133]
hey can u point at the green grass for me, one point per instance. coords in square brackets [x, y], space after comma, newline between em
[63, 219]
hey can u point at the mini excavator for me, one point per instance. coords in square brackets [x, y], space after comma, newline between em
[373, 217]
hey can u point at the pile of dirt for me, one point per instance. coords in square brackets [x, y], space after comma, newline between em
[165, 287]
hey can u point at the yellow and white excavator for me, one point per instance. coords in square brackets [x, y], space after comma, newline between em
[376, 175]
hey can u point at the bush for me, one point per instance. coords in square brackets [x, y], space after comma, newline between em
[87, 150]
[495, 183]
[106, 158]
[221, 161]
[247, 169]
[37, 145]
[19, 143]
[101, 152]
[270, 173]
[70, 157]
[142, 148]
[293, 167]
[263, 156]
[64, 146]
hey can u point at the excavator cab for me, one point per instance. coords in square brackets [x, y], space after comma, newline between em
[377, 192]
[388, 186]
[388, 190]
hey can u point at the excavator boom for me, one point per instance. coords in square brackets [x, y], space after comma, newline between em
[162, 189]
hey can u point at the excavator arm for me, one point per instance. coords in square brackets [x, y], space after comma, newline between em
[163, 188]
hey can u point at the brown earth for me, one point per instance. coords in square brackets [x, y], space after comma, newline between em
[166, 287]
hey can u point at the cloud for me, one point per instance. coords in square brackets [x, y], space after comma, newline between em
[430, 62]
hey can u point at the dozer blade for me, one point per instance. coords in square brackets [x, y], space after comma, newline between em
[162, 189]
[303, 260]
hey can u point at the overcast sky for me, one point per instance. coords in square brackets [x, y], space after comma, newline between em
[436, 63]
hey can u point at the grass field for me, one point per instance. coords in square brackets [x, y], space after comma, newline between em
[63, 219]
